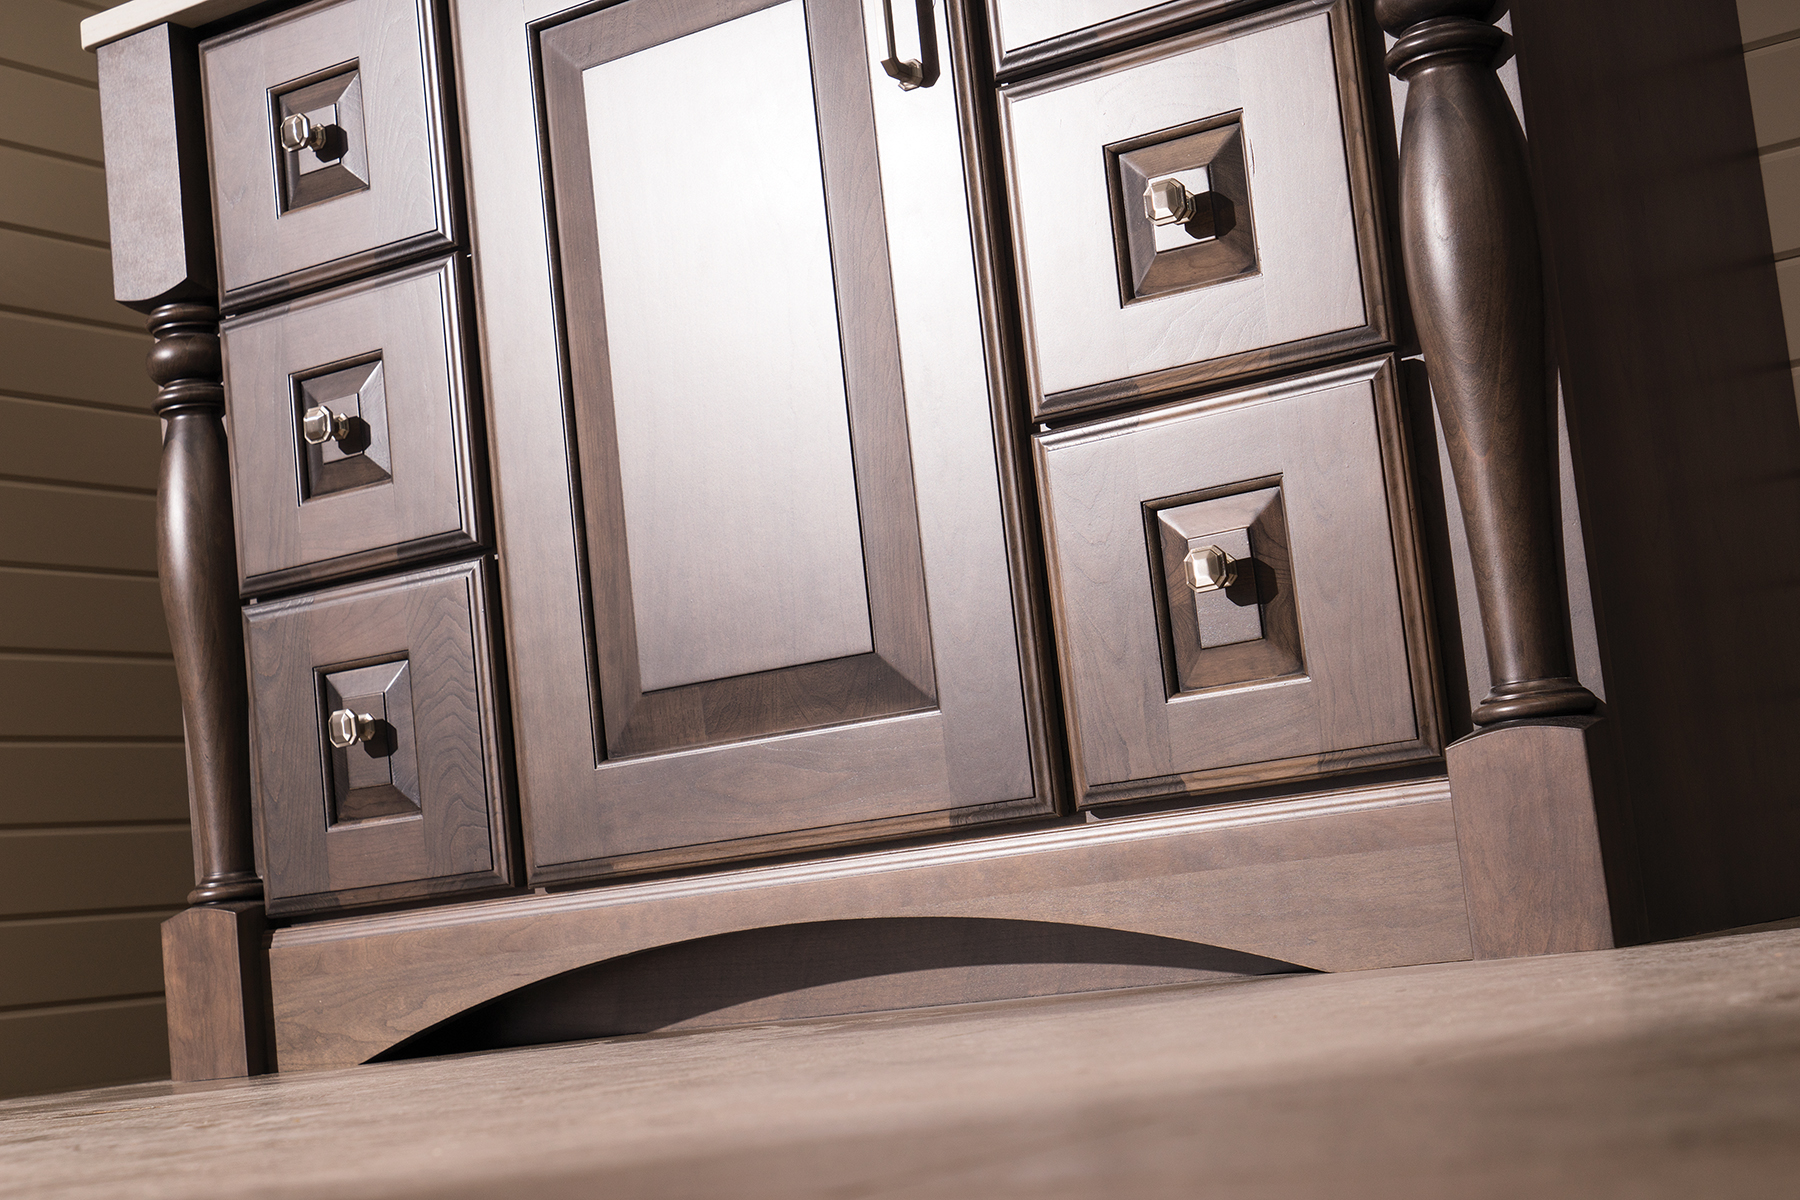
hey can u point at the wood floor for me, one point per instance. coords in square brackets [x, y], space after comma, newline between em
[1669, 1070]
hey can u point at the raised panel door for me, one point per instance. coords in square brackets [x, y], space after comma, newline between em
[759, 536]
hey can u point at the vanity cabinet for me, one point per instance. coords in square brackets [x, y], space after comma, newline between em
[740, 482]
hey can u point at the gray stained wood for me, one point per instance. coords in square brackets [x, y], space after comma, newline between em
[218, 1003]
[1469, 235]
[408, 209]
[197, 564]
[727, 705]
[156, 168]
[1681, 422]
[1366, 879]
[831, 969]
[456, 840]
[1538, 801]
[1078, 36]
[410, 322]
[1367, 692]
[969, 758]
[1297, 77]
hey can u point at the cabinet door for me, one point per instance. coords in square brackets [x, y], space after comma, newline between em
[758, 535]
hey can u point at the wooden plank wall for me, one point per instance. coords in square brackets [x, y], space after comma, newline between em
[94, 848]
[1772, 60]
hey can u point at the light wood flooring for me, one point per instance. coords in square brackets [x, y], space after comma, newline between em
[1660, 1071]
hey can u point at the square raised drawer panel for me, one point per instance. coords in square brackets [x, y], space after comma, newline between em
[1310, 656]
[359, 79]
[1262, 120]
[413, 805]
[394, 476]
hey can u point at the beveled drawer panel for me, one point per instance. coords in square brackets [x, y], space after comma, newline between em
[351, 443]
[1250, 136]
[327, 141]
[407, 800]
[1238, 589]
[1032, 34]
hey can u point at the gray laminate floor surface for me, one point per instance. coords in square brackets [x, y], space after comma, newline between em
[1669, 1070]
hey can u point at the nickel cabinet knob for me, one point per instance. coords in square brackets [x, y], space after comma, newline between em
[1210, 570]
[319, 425]
[1168, 202]
[299, 133]
[346, 728]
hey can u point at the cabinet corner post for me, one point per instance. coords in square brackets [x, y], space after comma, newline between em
[1470, 244]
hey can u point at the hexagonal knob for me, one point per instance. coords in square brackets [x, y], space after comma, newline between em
[346, 728]
[319, 425]
[299, 133]
[1210, 569]
[1168, 202]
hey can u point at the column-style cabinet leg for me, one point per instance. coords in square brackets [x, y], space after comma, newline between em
[214, 955]
[1537, 838]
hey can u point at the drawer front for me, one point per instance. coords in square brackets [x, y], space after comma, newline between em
[326, 136]
[1030, 34]
[1238, 590]
[407, 801]
[351, 444]
[1249, 139]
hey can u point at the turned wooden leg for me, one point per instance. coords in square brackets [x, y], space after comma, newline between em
[197, 559]
[213, 954]
[1469, 237]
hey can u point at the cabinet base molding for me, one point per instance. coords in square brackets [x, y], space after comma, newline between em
[217, 983]
[1345, 880]
[1536, 824]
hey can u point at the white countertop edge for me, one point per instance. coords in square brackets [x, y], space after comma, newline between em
[137, 15]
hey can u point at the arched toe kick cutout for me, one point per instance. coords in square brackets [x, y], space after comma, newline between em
[828, 968]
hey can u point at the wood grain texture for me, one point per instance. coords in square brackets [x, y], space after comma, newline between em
[85, 782]
[457, 839]
[197, 565]
[156, 169]
[93, 870]
[1367, 691]
[642, 713]
[85, 1045]
[830, 969]
[60, 360]
[1682, 425]
[411, 320]
[1469, 235]
[1336, 882]
[925, 771]
[217, 966]
[1546, 856]
[65, 960]
[1089, 28]
[1296, 79]
[408, 209]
